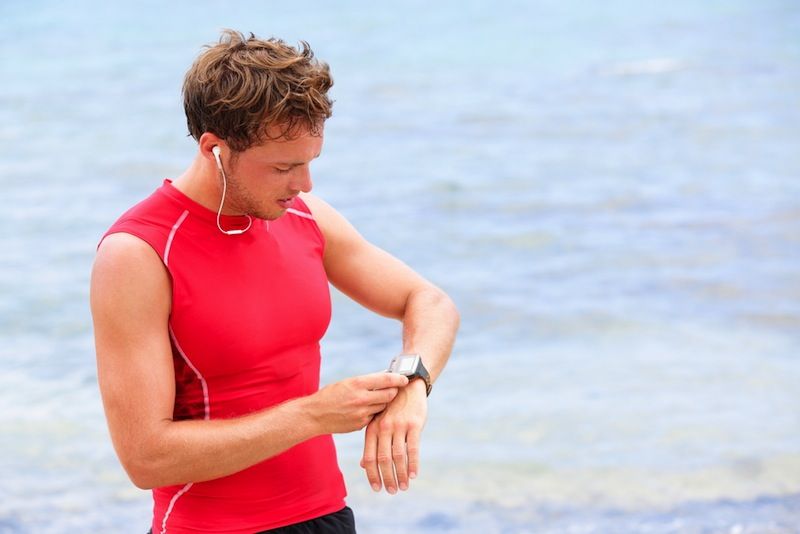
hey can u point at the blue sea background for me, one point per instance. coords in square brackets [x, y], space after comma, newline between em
[610, 191]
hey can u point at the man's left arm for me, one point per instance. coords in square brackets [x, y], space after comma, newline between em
[385, 285]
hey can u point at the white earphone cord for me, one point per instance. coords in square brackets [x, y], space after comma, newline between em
[222, 200]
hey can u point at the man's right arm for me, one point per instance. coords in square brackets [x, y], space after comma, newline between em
[130, 300]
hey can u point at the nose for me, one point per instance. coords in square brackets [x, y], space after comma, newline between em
[301, 181]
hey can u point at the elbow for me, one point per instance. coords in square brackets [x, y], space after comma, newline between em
[446, 307]
[145, 470]
[450, 309]
[143, 477]
[141, 483]
[457, 318]
[455, 314]
[148, 458]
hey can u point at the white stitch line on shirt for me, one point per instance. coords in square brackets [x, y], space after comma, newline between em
[175, 227]
[207, 416]
[171, 504]
[196, 372]
[299, 213]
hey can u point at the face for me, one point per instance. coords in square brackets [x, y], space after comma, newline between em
[263, 180]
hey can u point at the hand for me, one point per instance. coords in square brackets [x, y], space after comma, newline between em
[350, 404]
[391, 442]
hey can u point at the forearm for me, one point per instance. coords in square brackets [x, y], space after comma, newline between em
[430, 323]
[178, 452]
[391, 442]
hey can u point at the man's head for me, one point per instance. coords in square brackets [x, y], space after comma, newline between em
[248, 91]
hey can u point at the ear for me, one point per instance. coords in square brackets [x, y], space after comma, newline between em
[207, 142]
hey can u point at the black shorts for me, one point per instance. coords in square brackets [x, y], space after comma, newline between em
[341, 522]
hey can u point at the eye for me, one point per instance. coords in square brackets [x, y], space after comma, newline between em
[283, 171]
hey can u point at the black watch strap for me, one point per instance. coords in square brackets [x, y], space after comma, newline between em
[423, 373]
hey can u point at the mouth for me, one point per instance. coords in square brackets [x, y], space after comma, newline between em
[286, 203]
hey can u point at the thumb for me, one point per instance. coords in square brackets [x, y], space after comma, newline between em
[385, 380]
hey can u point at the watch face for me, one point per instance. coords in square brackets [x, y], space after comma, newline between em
[404, 365]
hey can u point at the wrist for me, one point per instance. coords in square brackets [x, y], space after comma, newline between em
[411, 365]
[305, 411]
[418, 386]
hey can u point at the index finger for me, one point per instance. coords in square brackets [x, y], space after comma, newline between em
[383, 380]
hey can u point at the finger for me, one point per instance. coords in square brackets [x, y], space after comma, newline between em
[385, 463]
[370, 459]
[362, 463]
[400, 460]
[412, 451]
[375, 409]
[382, 396]
[383, 380]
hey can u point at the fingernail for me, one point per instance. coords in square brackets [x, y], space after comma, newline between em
[376, 487]
[403, 486]
[391, 491]
[412, 475]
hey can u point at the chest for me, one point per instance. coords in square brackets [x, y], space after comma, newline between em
[249, 303]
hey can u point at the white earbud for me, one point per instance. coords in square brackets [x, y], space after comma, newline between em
[216, 151]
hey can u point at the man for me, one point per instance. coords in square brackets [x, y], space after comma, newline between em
[209, 300]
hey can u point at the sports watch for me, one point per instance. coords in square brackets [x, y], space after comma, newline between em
[410, 365]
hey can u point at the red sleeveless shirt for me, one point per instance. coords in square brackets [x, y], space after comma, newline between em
[248, 312]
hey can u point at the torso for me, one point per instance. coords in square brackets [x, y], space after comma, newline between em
[248, 312]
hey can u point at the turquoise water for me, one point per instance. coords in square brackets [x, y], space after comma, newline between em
[609, 191]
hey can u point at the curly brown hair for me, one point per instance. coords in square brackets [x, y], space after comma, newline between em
[242, 86]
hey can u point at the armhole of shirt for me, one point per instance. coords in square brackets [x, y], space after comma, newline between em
[125, 229]
[300, 203]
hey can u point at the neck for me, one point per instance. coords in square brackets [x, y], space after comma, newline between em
[202, 183]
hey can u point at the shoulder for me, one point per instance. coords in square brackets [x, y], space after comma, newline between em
[330, 221]
[126, 267]
[316, 206]
[119, 247]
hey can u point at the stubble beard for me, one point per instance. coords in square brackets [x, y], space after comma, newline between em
[244, 202]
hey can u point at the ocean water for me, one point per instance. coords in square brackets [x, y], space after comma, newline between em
[610, 191]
